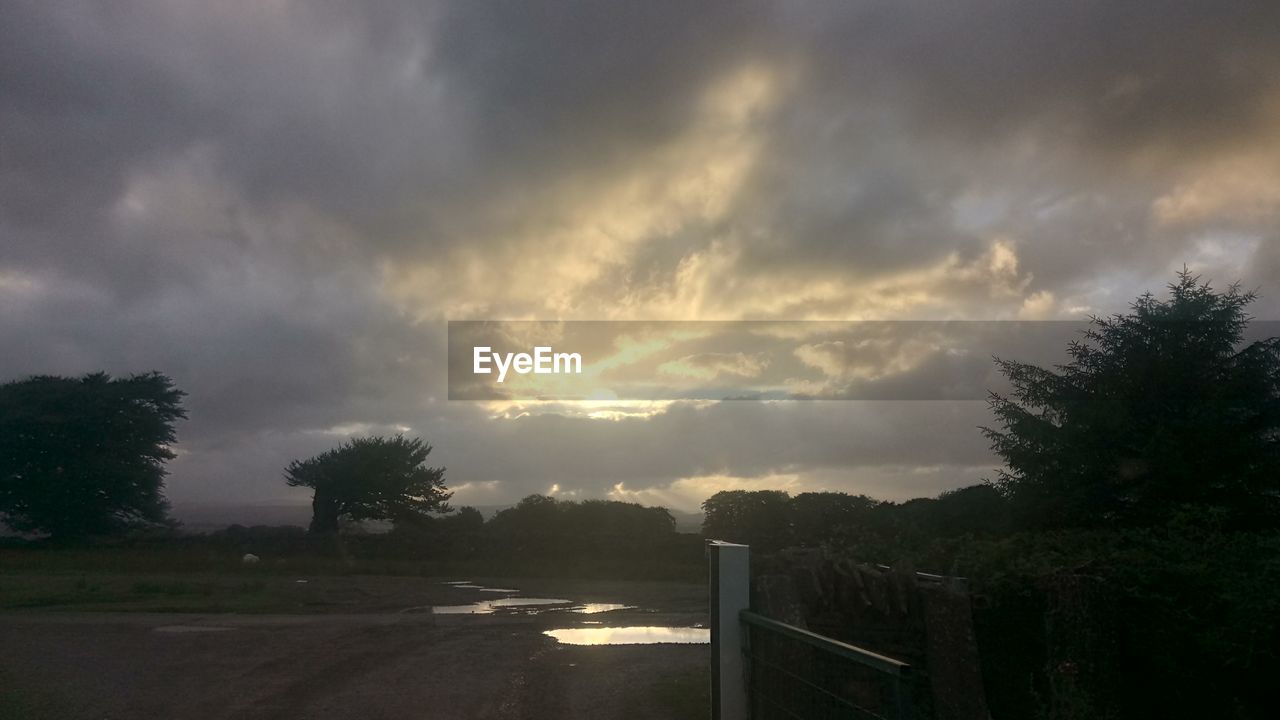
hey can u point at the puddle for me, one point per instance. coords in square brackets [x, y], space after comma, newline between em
[517, 605]
[191, 628]
[488, 607]
[468, 585]
[519, 602]
[593, 608]
[630, 635]
[528, 606]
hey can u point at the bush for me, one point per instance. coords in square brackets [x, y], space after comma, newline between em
[1194, 611]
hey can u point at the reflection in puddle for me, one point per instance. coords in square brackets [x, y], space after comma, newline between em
[487, 607]
[527, 606]
[519, 605]
[593, 608]
[469, 585]
[473, 609]
[519, 602]
[630, 635]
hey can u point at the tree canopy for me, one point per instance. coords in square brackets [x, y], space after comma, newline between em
[769, 520]
[542, 520]
[373, 478]
[592, 536]
[1161, 411]
[760, 518]
[85, 456]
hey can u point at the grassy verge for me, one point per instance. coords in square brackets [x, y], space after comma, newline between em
[161, 559]
[183, 579]
[185, 557]
[156, 593]
[177, 579]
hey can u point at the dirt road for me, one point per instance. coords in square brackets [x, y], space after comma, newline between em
[118, 666]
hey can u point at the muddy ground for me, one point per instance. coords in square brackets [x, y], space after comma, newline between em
[388, 657]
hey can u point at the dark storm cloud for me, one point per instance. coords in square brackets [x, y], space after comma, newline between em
[1112, 77]
[905, 108]
[227, 191]
[579, 77]
[391, 116]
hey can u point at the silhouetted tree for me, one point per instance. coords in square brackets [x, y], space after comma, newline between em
[974, 510]
[466, 520]
[82, 457]
[530, 524]
[539, 518]
[372, 478]
[1158, 410]
[817, 516]
[591, 536]
[455, 535]
[616, 522]
[761, 518]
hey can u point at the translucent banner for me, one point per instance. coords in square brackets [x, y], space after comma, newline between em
[750, 360]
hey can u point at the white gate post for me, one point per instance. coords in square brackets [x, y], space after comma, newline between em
[730, 594]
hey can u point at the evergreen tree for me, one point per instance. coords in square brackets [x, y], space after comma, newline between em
[84, 457]
[1160, 411]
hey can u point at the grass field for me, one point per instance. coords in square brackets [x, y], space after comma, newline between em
[151, 592]
[174, 580]
[169, 579]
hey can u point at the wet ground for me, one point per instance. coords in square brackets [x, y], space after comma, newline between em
[376, 662]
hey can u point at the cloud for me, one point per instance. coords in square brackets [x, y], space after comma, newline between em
[281, 203]
[709, 366]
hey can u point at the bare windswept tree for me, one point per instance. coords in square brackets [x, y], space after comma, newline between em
[373, 478]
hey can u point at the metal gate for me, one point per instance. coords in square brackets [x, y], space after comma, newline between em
[766, 670]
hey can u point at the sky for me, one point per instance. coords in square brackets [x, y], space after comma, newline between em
[282, 204]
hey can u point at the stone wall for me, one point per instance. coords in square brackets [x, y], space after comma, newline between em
[920, 619]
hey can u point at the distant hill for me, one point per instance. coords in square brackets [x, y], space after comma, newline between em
[200, 518]
[687, 522]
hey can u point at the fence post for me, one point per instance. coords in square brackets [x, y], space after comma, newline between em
[903, 706]
[730, 594]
